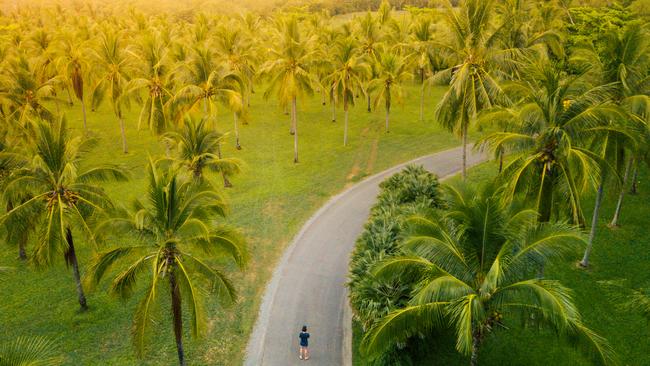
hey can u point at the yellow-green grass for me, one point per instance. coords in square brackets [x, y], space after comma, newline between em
[270, 200]
[619, 254]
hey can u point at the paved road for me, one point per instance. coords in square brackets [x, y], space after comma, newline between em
[308, 286]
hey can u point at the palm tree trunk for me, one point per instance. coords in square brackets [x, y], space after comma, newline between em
[635, 178]
[619, 204]
[501, 161]
[594, 223]
[333, 110]
[294, 116]
[387, 117]
[422, 104]
[22, 254]
[70, 103]
[464, 133]
[83, 111]
[476, 342]
[345, 128]
[177, 314]
[71, 258]
[237, 145]
[125, 149]
[368, 101]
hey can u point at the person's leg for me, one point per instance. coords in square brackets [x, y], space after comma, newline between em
[306, 353]
[302, 352]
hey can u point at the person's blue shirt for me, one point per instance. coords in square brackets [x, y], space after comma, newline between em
[304, 336]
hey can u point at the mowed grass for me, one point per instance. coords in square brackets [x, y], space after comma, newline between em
[619, 254]
[270, 201]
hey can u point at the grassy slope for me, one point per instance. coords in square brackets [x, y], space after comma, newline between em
[621, 253]
[270, 201]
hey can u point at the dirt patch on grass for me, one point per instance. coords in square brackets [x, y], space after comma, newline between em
[373, 156]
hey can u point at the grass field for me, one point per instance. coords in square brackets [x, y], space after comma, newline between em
[269, 202]
[619, 254]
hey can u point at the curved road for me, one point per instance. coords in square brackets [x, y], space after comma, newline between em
[308, 286]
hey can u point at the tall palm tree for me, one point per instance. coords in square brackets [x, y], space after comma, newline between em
[553, 166]
[155, 78]
[196, 149]
[346, 78]
[473, 86]
[392, 71]
[288, 69]
[59, 195]
[73, 63]
[177, 231]
[422, 35]
[471, 265]
[237, 51]
[624, 60]
[113, 70]
[371, 37]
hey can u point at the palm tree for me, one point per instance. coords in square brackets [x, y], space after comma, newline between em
[624, 60]
[473, 86]
[392, 71]
[113, 69]
[155, 78]
[471, 265]
[422, 35]
[237, 50]
[73, 61]
[177, 231]
[30, 351]
[371, 39]
[59, 195]
[196, 149]
[553, 120]
[349, 71]
[25, 94]
[288, 70]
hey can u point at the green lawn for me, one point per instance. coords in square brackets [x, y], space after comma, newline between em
[269, 201]
[622, 253]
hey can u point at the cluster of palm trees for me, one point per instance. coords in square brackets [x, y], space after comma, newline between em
[565, 117]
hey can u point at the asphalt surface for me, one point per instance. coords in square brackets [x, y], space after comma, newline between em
[308, 286]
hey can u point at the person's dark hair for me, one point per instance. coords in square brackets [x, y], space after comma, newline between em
[304, 328]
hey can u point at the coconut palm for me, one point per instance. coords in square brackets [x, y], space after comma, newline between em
[73, 63]
[470, 266]
[58, 195]
[553, 166]
[288, 71]
[113, 70]
[155, 78]
[177, 231]
[196, 149]
[624, 60]
[349, 71]
[392, 72]
[30, 351]
[473, 86]
[371, 39]
[205, 84]
[422, 35]
[237, 51]
[26, 95]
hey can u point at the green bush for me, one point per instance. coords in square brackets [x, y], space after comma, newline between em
[409, 191]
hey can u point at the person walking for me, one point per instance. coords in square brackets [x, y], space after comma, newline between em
[304, 343]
